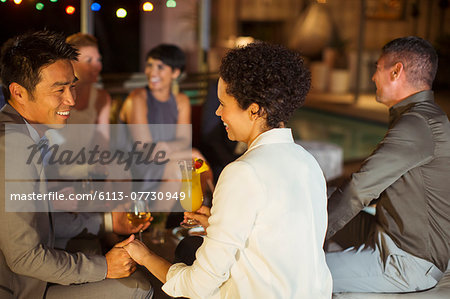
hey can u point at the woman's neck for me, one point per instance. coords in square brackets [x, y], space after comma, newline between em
[161, 95]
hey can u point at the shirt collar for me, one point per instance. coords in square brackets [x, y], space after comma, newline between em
[33, 133]
[400, 108]
[276, 135]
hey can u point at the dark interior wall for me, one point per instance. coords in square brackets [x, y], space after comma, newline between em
[118, 38]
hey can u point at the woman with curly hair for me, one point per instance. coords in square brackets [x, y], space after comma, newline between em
[266, 228]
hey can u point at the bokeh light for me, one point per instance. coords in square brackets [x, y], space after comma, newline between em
[121, 13]
[147, 6]
[95, 6]
[70, 10]
[17, 1]
[39, 6]
[171, 3]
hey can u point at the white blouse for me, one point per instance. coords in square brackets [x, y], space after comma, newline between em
[267, 228]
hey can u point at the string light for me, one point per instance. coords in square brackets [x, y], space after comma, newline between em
[171, 3]
[70, 10]
[95, 6]
[147, 6]
[121, 13]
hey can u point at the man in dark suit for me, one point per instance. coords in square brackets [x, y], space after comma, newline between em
[39, 82]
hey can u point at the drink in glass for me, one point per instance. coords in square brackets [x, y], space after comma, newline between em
[192, 188]
[138, 215]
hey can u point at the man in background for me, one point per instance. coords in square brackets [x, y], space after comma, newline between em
[405, 247]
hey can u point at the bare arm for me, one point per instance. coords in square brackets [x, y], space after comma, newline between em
[134, 113]
[103, 106]
[147, 258]
[184, 108]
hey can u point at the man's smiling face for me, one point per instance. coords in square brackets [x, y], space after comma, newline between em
[54, 96]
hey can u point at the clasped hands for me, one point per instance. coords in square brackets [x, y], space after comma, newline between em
[140, 253]
[119, 262]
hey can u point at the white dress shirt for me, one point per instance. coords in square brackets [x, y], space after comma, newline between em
[267, 228]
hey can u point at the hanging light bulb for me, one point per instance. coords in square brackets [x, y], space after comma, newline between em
[147, 6]
[95, 6]
[70, 10]
[121, 13]
[171, 3]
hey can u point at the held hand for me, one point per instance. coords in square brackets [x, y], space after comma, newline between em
[201, 215]
[138, 251]
[122, 226]
[118, 261]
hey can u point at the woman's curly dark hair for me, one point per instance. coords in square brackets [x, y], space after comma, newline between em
[269, 75]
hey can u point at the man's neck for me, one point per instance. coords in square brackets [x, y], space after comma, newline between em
[405, 91]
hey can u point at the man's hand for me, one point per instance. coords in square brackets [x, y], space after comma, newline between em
[138, 251]
[118, 261]
[201, 215]
[122, 226]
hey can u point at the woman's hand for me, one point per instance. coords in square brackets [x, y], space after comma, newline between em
[138, 251]
[201, 215]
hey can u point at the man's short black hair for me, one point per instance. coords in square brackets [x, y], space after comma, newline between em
[418, 57]
[269, 75]
[171, 55]
[24, 56]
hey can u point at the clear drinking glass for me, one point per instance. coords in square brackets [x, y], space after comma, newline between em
[138, 215]
[191, 186]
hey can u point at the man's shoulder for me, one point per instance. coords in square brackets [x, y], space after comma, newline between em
[9, 115]
[426, 110]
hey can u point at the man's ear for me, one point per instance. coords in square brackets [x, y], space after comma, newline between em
[18, 93]
[396, 71]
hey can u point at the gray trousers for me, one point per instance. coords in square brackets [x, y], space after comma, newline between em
[380, 268]
[135, 286]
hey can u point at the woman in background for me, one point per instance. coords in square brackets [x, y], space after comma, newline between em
[93, 104]
[156, 104]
